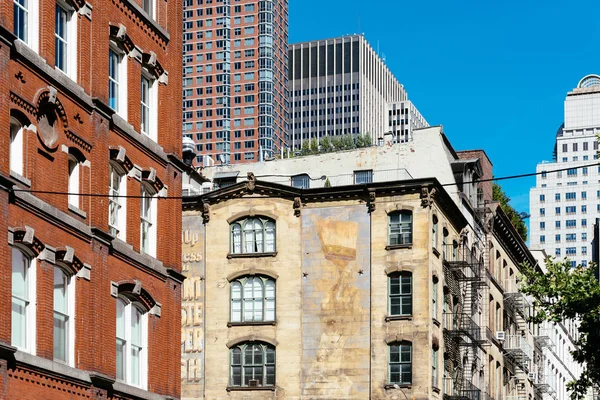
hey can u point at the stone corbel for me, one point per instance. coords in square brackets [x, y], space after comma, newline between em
[86, 10]
[427, 197]
[251, 184]
[136, 53]
[371, 202]
[85, 272]
[164, 78]
[205, 213]
[297, 206]
[156, 310]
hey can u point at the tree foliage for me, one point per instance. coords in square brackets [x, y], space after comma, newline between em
[337, 143]
[516, 218]
[564, 293]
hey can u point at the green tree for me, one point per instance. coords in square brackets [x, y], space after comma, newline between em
[325, 145]
[570, 293]
[517, 218]
[314, 146]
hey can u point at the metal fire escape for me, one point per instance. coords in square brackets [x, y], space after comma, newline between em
[517, 349]
[544, 383]
[459, 325]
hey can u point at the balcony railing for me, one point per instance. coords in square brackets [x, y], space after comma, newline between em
[518, 347]
[545, 337]
[545, 383]
[463, 262]
[466, 391]
[461, 324]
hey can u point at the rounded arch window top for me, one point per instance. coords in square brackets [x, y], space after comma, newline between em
[589, 81]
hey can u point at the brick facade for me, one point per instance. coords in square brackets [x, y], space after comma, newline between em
[68, 115]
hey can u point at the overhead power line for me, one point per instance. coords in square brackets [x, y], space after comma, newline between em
[502, 178]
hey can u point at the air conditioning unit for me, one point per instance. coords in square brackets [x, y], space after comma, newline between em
[253, 383]
[500, 336]
[532, 376]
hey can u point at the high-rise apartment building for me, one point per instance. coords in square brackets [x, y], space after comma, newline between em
[341, 86]
[235, 61]
[565, 204]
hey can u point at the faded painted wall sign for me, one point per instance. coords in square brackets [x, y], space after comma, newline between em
[192, 307]
[335, 355]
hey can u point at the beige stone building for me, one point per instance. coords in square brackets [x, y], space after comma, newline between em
[380, 290]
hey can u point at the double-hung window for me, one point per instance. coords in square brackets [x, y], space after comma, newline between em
[253, 235]
[116, 203]
[148, 106]
[65, 39]
[23, 301]
[148, 6]
[400, 294]
[16, 146]
[25, 22]
[400, 228]
[63, 316]
[253, 299]
[400, 363]
[147, 221]
[132, 339]
[74, 168]
[117, 81]
[252, 365]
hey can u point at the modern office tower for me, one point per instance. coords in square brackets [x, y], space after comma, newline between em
[90, 295]
[402, 119]
[339, 86]
[565, 204]
[235, 60]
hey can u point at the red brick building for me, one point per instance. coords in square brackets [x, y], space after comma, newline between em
[90, 100]
[235, 77]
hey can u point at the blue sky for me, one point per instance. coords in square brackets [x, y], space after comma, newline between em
[493, 73]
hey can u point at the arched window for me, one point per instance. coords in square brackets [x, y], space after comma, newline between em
[400, 294]
[63, 316]
[253, 299]
[16, 146]
[23, 300]
[148, 220]
[253, 235]
[400, 363]
[252, 365]
[400, 228]
[132, 342]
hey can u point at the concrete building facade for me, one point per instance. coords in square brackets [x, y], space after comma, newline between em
[564, 204]
[341, 86]
[235, 75]
[364, 305]
[90, 293]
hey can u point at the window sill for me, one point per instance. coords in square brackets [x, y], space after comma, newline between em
[247, 388]
[397, 386]
[251, 255]
[398, 318]
[161, 32]
[20, 179]
[436, 252]
[253, 323]
[76, 210]
[398, 246]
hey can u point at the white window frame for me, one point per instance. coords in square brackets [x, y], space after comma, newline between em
[245, 306]
[70, 40]
[149, 7]
[70, 314]
[32, 26]
[74, 181]
[30, 309]
[149, 106]
[121, 80]
[17, 138]
[401, 230]
[148, 221]
[143, 371]
[253, 239]
[119, 203]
